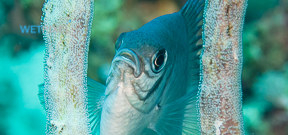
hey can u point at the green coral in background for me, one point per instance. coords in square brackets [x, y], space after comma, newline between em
[265, 80]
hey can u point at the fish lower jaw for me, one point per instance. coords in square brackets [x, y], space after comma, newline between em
[118, 116]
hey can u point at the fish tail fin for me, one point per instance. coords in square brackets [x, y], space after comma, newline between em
[96, 97]
[41, 94]
[172, 114]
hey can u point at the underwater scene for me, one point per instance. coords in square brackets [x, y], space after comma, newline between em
[25, 66]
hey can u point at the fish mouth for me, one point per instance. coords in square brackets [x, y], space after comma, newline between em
[125, 61]
[129, 57]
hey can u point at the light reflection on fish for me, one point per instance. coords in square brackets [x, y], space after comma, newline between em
[153, 80]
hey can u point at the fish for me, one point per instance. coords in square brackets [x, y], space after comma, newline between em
[152, 85]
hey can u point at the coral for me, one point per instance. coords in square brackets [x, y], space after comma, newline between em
[66, 30]
[220, 103]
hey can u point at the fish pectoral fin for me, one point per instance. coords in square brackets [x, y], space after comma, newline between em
[95, 100]
[180, 117]
[96, 94]
[41, 94]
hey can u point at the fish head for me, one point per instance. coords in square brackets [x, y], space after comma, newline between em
[140, 69]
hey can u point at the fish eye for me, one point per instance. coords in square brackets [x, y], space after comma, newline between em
[159, 60]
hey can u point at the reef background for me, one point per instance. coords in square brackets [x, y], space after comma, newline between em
[265, 50]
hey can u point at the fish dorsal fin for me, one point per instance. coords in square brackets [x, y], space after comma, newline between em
[96, 97]
[172, 114]
[41, 94]
[192, 13]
